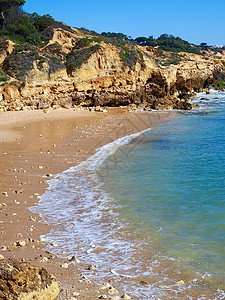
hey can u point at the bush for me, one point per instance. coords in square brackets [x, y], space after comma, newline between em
[41, 22]
[78, 56]
[34, 38]
[168, 43]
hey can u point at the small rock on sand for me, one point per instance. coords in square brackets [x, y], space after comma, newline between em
[70, 226]
[112, 291]
[143, 282]
[54, 244]
[74, 259]
[125, 296]
[91, 267]
[180, 282]
[21, 243]
[76, 294]
[105, 286]
[44, 259]
[1, 257]
[103, 297]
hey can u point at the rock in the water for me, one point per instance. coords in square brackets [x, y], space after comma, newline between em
[19, 280]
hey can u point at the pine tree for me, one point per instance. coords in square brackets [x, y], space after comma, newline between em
[10, 12]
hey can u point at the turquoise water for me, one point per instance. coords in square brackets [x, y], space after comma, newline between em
[169, 184]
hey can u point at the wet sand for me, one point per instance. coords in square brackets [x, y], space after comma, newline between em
[35, 146]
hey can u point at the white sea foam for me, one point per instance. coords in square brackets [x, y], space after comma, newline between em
[209, 102]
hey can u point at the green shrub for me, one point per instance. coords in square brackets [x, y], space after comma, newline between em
[78, 56]
[3, 78]
[34, 38]
[220, 84]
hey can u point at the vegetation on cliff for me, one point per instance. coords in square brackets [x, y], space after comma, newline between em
[24, 56]
[168, 43]
[22, 27]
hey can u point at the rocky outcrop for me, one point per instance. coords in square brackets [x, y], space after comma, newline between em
[78, 69]
[20, 281]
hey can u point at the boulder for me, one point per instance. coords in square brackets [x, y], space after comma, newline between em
[19, 280]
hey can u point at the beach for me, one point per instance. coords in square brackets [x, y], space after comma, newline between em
[35, 146]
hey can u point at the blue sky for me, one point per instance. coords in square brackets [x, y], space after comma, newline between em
[193, 20]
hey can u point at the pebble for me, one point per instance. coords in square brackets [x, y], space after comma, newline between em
[40, 167]
[76, 294]
[105, 286]
[91, 267]
[20, 243]
[180, 282]
[74, 259]
[70, 226]
[115, 298]
[125, 296]
[42, 240]
[112, 291]
[18, 192]
[4, 248]
[88, 281]
[5, 194]
[54, 244]
[44, 259]
[143, 282]
[49, 175]
[1, 257]
[103, 297]
[65, 265]
[33, 219]
[83, 276]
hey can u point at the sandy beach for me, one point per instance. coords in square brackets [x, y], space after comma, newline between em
[36, 145]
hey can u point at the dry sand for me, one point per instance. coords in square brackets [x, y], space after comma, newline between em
[35, 144]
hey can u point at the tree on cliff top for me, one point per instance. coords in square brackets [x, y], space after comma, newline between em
[10, 12]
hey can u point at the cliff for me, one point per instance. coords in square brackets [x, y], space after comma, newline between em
[77, 68]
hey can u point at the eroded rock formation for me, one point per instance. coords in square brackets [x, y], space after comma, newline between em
[20, 281]
[78, 69]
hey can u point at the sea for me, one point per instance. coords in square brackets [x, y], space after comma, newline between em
[148, 210]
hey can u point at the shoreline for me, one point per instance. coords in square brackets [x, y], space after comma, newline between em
[45, 145]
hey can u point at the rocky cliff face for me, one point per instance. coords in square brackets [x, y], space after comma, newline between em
[78, 69]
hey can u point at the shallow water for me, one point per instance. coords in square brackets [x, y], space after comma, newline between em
[150, 206]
